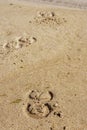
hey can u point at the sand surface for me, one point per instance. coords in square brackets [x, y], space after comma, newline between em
[65, 3]
[43, 67]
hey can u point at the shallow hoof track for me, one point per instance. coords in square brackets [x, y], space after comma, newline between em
[24, 40]
[41, 96]
[38, 110]
[48, 18]
[39, 104]
[19, 42]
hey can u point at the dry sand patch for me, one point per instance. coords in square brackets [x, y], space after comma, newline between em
[49, 61]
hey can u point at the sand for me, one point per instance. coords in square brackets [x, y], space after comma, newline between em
[63, 3]
[43, 67]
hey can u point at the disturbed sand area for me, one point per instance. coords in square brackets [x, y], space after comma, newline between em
[43, 71]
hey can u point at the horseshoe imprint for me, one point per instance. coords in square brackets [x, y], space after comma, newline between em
[38, 110]
[40, 104]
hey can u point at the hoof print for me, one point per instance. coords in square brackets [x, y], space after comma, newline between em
[38, 110]
[48, 18]
[39, 104]
[41, 96]
[19, 42]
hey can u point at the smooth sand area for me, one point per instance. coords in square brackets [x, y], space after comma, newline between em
[43, 67]
[82, 4]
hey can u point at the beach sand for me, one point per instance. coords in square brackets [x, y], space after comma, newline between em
[43, 67]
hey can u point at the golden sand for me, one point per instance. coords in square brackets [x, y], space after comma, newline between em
[43, 68]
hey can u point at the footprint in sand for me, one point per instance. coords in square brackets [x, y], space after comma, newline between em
[49, 18]
[24, 40]
[38, 110]
[41, 96]
[40, 104]
[18, 42]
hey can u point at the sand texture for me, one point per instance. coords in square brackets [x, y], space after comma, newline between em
[82, 4]
[43, 67]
